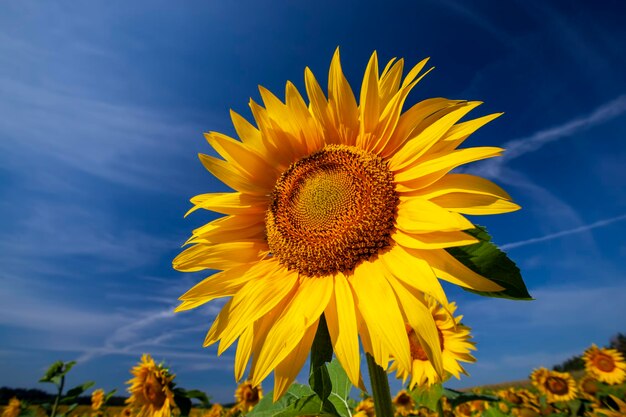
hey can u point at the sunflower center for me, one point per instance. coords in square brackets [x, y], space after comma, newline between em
[604, 363]
[557, 385]
[589, 386]
[153, 392]
[417, 351]
[330, 210]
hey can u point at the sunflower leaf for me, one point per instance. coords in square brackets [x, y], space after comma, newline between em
[341, 387]
[487, 260]
[299, 400]
[427, 396]
[457, 398]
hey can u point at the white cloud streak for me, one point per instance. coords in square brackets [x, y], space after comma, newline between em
[599, 223]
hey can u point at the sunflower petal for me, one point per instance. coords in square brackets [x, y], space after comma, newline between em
[219, 256]
[475, 204]
[416, 215]
[447, 267]
[342, 326]
[433, 240]
[377, 303]
[242, 354]
[288, 369]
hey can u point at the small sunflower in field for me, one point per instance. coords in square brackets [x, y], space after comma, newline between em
[607, 365]
[13, 408]
[366, 407]
[588, 387]
[454, 342]
[247, 396]
[403, 403]
[216, 410]
[97, 399]
[341, 208]
[556, 386]
[151, 389]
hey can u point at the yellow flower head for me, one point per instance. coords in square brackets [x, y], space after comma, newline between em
[97, 399]
[403, 403]
[216, 410]
[454, 342]
[607, 365]
[463, 410]
[341, 208]
[588, 387]
[556, 386]
[366, 407]
[616, 408]
[248, 395]
[151, 389]
[13, 408]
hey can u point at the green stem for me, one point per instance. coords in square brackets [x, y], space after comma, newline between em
[380, 388]
[58, 398]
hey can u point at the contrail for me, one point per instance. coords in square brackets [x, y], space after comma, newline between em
[551, 236]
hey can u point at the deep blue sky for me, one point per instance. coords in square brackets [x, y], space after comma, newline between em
[103, 105]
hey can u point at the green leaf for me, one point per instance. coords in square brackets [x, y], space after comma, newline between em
[70, 409]
[109, 394]
[319, 378]
[494, 412]
[341, 387]
[75, 392]
[487, 260]
[57, 370]
[458, 397]
[427, 396]
[198, 395]
[267, 408]
[182, 402]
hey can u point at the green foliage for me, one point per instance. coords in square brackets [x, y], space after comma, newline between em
[487, 260]
[302, 400]
[428, 397]
[457, 398]
[57, 371]
[73, 394]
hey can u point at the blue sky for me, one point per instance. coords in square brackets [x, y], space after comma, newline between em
[103, 108]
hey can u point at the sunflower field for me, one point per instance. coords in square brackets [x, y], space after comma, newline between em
[600, 391]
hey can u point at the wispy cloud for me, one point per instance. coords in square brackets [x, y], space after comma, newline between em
[519, 147]
[599, 223]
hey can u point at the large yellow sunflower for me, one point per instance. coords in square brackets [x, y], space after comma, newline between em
[247, 396]
[607, 365]
[151, 389]
[343, 209]
[454, 341]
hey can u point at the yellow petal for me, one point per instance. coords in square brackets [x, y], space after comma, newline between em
[288, 369]
[308, 127]
[389, 82]
[244, 159]
[342, 325]
[368, 105]
[411, 178]
[342, 103]
[224, 229]
[379, 307]
[461, 183]
[416, 215]
[230, 203]
[219, 256]
[319, 107]
[448, 268]
[412, 74]
[256, 298]
[421, 320]
[415, 120]
[242, 354]
[304, 309]
[248, 134]
[409, 267]
[475, 204]
[221, 284]
[231, 176]
[416, 147]
[433, 240]
[461, 131]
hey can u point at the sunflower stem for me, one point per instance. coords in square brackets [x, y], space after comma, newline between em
[380, 388]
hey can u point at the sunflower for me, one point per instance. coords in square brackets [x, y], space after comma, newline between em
[97, 399]
[366, 407]
[403, 403]
[453, 342]
[341, 209]
[607, 365]
[614, 408]
[151, 389]
[216, 410]
[556, 386]
[13, 408]
[588, 387]
[247, 396]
